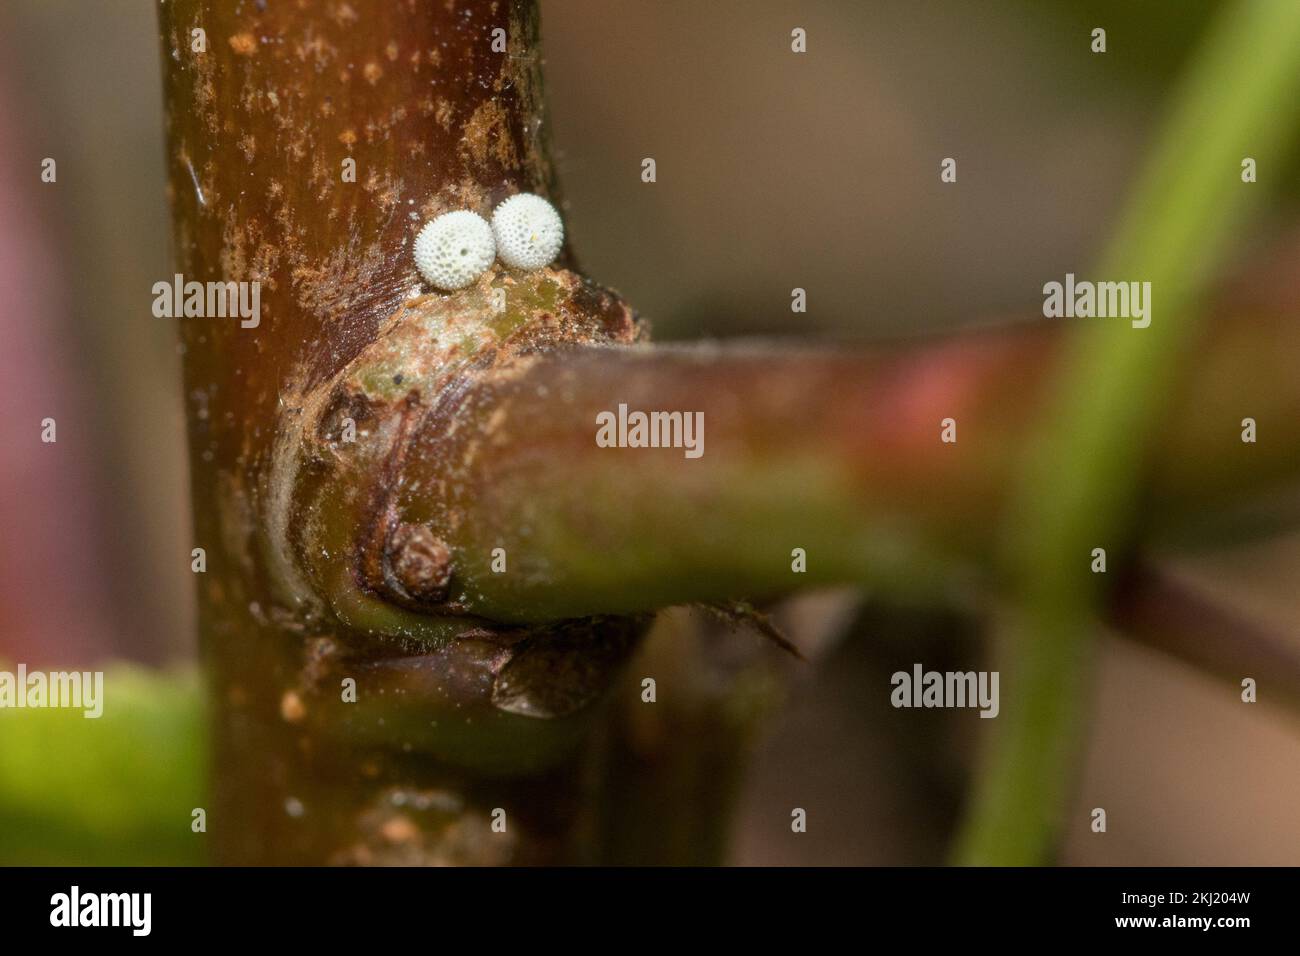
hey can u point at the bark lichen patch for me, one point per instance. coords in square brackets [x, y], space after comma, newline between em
[487, 134]
[464, 193]
[339, 283]
[430, 336]
[244, 43]
[444, 113]
[204, 89]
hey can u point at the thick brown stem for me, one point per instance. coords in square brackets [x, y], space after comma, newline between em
[307, 144]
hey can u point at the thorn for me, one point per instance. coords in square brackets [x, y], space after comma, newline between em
[742, 612]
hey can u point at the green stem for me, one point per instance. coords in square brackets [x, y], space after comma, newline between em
[1080, 489]
[835, 453]
[120, 789]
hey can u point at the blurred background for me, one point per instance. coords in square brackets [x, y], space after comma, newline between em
[774, 171]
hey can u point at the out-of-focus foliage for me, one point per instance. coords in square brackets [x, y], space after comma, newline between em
[115, 790]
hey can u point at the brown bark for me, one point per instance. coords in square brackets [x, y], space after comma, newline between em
[259, 126]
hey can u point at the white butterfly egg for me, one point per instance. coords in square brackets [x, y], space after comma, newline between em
[454, 249]
[528, 230]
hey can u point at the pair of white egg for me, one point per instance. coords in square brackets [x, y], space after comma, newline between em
[457, 247]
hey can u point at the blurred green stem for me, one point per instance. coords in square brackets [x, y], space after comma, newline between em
[117, 790]
[1080, 490]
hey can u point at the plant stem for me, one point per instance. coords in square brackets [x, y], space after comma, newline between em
[476, 423]
[1081, 489]
[836, 453]
[267, 105]
[1156, 610]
